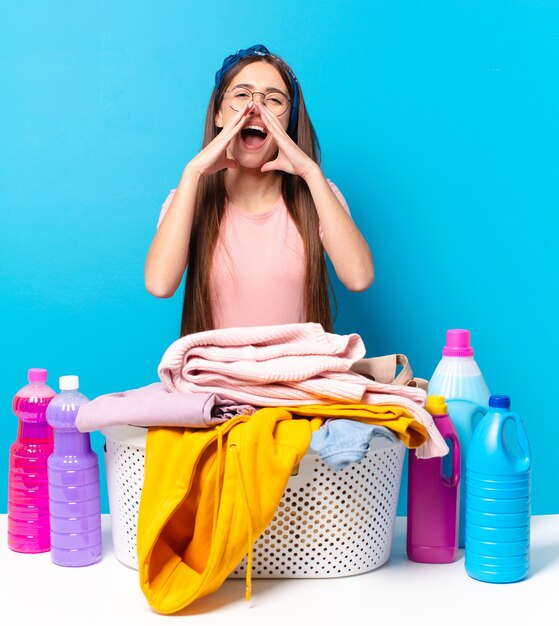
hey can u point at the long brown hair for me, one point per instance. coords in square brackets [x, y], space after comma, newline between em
[210, 203]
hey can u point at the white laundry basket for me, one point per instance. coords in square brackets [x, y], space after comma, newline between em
[328, 524]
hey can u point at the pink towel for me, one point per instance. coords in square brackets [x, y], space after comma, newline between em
[286, 365]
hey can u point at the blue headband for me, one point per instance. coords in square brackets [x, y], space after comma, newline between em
[261, 51]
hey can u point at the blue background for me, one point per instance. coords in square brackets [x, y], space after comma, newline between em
[438, 121]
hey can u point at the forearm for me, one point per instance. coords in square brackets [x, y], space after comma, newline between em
[167, 257]
[344, 244]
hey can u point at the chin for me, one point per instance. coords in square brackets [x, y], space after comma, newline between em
[253, 161]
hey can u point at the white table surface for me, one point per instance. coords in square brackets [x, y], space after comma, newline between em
[34, 591]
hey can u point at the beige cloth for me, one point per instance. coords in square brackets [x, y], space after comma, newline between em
[382, 369]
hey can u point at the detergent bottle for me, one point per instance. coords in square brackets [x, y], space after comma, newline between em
[457, 374]
[28, 496]
[433, 496]
[458, 378]
[74, 489]
[498, 470]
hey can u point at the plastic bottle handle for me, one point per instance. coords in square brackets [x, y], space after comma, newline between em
[521, 436]
[482, 412]
[453, 479]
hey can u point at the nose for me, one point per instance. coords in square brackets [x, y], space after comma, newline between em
[253, 110]
[262, 97]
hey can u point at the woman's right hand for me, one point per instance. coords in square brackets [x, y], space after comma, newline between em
[213, 157]
[169, 251]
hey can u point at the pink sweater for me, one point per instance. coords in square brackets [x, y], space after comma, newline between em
[286, 365]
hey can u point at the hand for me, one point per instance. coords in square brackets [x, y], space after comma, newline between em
[213, 157]
[291, 158]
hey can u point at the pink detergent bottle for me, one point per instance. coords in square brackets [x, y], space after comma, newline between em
[433, 496]
[28, 496]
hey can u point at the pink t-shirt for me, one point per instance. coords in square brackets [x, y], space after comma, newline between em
[258, 270]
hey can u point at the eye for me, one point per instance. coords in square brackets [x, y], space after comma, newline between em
[274, 99]
[240, 93]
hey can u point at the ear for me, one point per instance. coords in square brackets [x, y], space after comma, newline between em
[219, 119]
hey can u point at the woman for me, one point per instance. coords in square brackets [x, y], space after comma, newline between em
[253, 213]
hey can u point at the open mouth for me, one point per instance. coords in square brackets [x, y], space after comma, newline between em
[253, 136]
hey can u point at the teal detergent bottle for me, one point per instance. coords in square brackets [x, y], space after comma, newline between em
[458, 378]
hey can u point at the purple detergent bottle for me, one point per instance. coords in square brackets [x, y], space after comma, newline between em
[433, 496]
[74, 488]
[28, 495]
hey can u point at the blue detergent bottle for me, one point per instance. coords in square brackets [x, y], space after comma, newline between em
[498, 474]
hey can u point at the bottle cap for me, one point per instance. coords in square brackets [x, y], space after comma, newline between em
[499, 402]
[69, 383]
[36, 375]
[458, 343]
[436, 405]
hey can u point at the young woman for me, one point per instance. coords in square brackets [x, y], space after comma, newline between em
[253, 213]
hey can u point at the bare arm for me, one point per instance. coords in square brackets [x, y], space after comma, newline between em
[167, 257]
[168, 254]
[342, 240]
[344, 244]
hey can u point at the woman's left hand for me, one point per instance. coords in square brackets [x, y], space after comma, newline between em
[291, 158]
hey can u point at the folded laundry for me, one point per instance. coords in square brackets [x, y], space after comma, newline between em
[286, 365]
[258, 355]
[341, 442]
[154, 405]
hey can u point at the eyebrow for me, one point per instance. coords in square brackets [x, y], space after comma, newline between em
[268, 89]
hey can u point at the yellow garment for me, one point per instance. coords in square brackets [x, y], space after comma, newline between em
[207, 496]
[396, 418]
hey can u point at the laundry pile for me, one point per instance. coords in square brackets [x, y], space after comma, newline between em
[235, 411]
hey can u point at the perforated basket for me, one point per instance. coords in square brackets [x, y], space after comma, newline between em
[328, 524]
